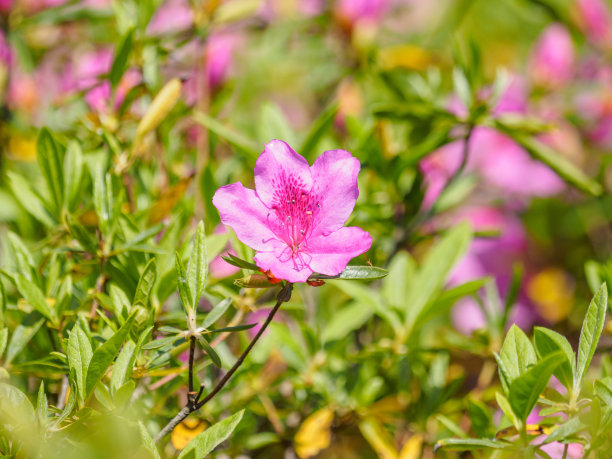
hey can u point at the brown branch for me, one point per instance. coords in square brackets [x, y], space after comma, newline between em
[283, 296]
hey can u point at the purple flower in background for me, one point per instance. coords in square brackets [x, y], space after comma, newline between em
[219, 57]
[5, 50]
[218, 267]
[295, 216]
[596, 21]
[552, 63]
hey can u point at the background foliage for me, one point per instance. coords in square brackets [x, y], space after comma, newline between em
[483, 130]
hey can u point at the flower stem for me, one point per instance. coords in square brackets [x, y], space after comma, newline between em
[283, 296]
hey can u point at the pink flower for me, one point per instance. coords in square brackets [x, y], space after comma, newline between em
[172, 17]
[219, 57]
[5, 6]
[364, 11]
[218, 267]
[294, 218]
[596, 20]
[5, 50]
[552, 63]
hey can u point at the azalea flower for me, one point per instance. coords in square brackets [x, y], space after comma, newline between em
[552, 62]
[295, 216]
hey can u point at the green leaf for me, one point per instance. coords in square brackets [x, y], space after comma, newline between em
[15, 409]
[3, 340]
[272, 124]
[73, 175]
[355, 273]
[480, 417]
[104, 355]
[235, 328]
[346, 320]
[434, 271]
[84, 237]
[42, 409]
[470, 444]
[21, 336]
[34, 296]
[548, 341]
[197, 268]
[517, 353]
[2, 304]
[121, 369]
[239, 263]
[216, 313]
[565, 169]
[50, 159]
[183, 288]
[461, 86]
[30, 199]
[102, 197]
[242, 143]
[603, 389]
[568, 429]
[317, 130]
[121, 58]
[204, 443]
[590, 333]
[145, 283]
[147, 441]
[79, 356]
[209, 350]
[157, 343]
[504, 404]
[525, 389]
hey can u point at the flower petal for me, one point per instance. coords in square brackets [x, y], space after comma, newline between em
[335, 182]
[241, 209]
[275, 166]
[330, 254]
[282, 265]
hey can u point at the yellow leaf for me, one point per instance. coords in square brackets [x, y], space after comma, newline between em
[167, 200]
[412, 448]
[314, 434]
[378, 438]
[22, 148]
[185, 432]
[163, 102]
[404, 56]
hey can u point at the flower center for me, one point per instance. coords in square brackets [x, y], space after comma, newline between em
[295, 209]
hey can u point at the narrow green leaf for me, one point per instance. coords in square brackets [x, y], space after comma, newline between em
[525, 389]
[50, 159]
[73, 174]
[209, 350]
[480, 417]
[504, 404]
[83, 237]
[239, 263]
[145, 283]
[147, 441]
[567, 429]
[30, 199]
[461, 85]
[42, 409]
[590, 333]
[355, 273]
[603, 389]
[15, 410]
[34, 296]
[104, 355]
[197, 268]
[548, 341]
[233, 329]
[3, 340]
[204, 443]
[2, 304]
[346, 320]
[121, 58]
[79, 356]
[242, 144]
[471, 444]
[434, 271]
[183, 287]
[564, 168]
[157, 343]
[101, 205]
[122, 372]
[216, 313]
[517, 353]
[20, 337]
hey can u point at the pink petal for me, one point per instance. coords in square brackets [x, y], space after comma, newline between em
[241, 209]
[282, 265]
[335, 181]
[330, 254]
[280, 166]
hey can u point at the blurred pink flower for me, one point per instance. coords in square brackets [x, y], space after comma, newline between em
[5, 6]
[295, 218]
[172, 16]
[257, 317]
[219, 56]
[489, 257]
[595, 107]
[552, 62]
[362, 11]
[596, 21]
[5, 50]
